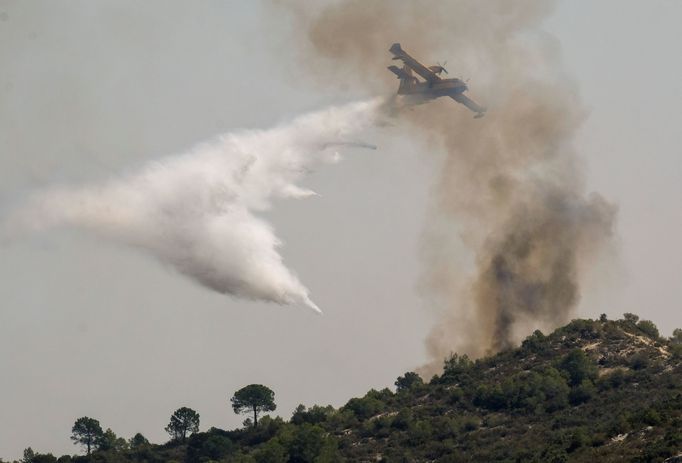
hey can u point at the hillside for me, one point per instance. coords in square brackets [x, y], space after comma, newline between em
[593, 390]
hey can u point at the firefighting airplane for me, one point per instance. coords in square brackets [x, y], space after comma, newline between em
[433, 85]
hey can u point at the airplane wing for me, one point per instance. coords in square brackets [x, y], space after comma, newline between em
[416, 66]
[469, 103]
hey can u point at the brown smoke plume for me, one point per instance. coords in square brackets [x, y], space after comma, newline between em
[511, 187]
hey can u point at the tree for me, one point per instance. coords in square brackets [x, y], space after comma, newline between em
[579, 367]
[29, 454]
[583, 392]
[364, 407]
[313, 415]
[676, 338]
[110, 441]
[137, 441]
[456, 365]
[254, 398]
[271, 452]
[309, 443]
[87, 432]
[536, 342]
[408, 381]
[44, 458]
[639, 360]
[183, 422]
[649, 328]
[211, 446]
[630, 317]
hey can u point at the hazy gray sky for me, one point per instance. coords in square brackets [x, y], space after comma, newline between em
[89, 90]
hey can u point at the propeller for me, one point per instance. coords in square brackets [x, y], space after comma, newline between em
[442, 66]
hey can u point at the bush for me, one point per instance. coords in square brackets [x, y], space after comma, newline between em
[535, 391]
[212, 445]
[651, 417]
[420, 433]
[314, 415]
[44, 458]
[579, 438]
[639, 361]
[365, 407]
[490, 397]
[342, 419]
[579, 328]
[309, 443]
[409, 381]
[676, 351]
[578, 366]
[536, 342]
[554, 454]
[403, 420]
[454, 396]
[545, 389]
[455, 365]
[664, 448]
[613, 380]
[271, 452]
[676, 338]
[469, 424]
[583, 392]
[630, 318]
[648, 328]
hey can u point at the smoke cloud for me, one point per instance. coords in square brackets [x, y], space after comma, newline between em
[197, 211]
[511, 187]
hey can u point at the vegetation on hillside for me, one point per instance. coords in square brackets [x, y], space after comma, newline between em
[593, 390]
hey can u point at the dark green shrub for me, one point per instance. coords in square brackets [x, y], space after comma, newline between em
[454, 366]
[630, 318]
[582, 393]
[313, 415]
[579, 367]
[403, 420]
[408, 381]
[308, 443]
[613, 380]
[536, 342]
[649, 328]
[365, 407]
[639, 361]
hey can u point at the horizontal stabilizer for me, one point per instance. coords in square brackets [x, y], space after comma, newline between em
[401, 73]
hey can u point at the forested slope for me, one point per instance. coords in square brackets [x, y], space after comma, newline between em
[593, 390]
